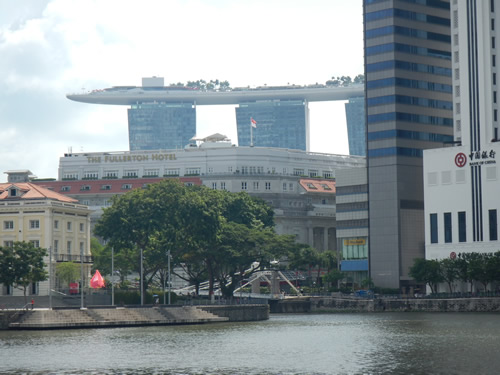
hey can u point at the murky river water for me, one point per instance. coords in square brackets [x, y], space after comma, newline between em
[389, 343]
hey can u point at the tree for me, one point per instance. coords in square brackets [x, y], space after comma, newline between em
[427, 272]
[334, 276]
[68, 271]
[196, 224]
[360, 78]
[22, 265]
[450, 271]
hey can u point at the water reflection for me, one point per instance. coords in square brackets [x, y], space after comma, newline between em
[394, 343]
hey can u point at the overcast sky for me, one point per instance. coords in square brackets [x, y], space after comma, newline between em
[49, 48]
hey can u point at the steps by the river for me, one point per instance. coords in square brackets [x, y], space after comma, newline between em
[113, 317]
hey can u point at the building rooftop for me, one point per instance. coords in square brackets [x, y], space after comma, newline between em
[28, 190]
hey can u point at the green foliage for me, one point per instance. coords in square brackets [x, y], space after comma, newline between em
[68, 271]
[209, 233]
[333, 276]
[427, 272]
[22, 264]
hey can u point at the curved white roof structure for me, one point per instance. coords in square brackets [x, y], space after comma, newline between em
[128, 95]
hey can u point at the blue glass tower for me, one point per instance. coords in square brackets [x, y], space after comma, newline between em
[355, 119]
[280, 123]
[155, 126]
[408, 109]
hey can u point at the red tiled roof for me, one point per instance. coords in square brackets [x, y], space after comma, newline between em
[29, 190]
[112, 186]
[318, 186]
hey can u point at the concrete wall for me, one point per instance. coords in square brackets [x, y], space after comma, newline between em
[240, 313]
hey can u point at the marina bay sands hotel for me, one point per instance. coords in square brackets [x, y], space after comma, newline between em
[164, 117]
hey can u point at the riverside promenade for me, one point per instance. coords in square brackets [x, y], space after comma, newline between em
[105, 317]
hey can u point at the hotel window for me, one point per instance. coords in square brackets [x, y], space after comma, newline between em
[69, 225]
[210, 170]
[253, 170]
[111, 174]
[7, 225]
[70, 176]
[8, 243]
[56, 224]
[494, 78]
[290, 186]
[256, 185]
[493, 225]
[81, 248]
[244, 170]
[298, 172]
[68, 247]
[434, 228]
[230, 169]
[214, 185]
[327, 174]
[313, 173]
[56, 246]
[86, 202]
[65, 188]
[447, 227]
[35, 243]
[268, 186]
[151, 172]
[34, 224]
[192, 171]
[172, 172]
[260, 170]
[126, 186]
[90, 175]
[243, 186]
[82, 227]
[223, 186]
[130, 173]
[284, 186]
[494, 60]
[493, 42]
[462, 231]
[105, 187]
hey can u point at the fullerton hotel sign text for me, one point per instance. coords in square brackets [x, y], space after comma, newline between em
[130, 158]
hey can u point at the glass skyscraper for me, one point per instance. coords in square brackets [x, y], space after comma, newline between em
[408, 110]
[355, 119]
[155, 126]
[280, 123]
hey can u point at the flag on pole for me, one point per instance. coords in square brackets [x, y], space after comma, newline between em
[253, 122]
[97, 281]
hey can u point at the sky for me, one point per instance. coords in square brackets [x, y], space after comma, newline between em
[50, 48]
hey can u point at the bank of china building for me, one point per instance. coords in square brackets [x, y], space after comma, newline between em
[462, 187]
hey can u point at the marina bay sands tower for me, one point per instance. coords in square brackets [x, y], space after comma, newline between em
[164, 117]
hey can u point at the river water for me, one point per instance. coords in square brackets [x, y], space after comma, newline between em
[381, 343]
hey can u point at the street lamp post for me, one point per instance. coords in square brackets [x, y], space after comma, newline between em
[81, 276]
[142, 282]
[112, 276]
[169, 281]
[50, 277]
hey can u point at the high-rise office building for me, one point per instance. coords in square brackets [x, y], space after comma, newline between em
[356, 130]
[462, 183]
[408, 109]
[155, 126]
[280, 123]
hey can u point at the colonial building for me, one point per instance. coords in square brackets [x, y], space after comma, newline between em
[46, 218]
[299, 185]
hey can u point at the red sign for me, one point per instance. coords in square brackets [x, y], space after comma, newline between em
[460, 159]
[73, 288]
[453, 255]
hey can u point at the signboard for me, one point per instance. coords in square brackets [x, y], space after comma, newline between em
[354, 241]
[475, 158]
[74, 288]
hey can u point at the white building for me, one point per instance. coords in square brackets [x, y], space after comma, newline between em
[462, 184]
[299, 185]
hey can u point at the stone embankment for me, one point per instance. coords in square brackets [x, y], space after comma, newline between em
[331, 304]
[129, 316]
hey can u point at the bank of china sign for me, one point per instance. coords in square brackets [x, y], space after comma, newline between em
[475, 158]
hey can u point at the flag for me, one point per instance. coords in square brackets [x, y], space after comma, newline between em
[253, 122]
[97, 281]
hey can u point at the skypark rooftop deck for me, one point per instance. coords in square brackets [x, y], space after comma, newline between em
[128, 95]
